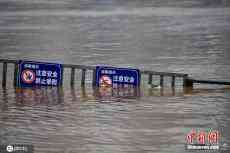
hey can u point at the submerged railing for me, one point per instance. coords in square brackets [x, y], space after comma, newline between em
[84, 70]
[187, 82]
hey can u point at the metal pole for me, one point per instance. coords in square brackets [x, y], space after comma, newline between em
[173, 81]
[4, 74]
[83, 77]
[15, 74]
[150, 80]
[62, 76]
[161, 80]
[94, 78]
[72, 77]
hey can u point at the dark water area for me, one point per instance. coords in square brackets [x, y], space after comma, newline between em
[186, 36]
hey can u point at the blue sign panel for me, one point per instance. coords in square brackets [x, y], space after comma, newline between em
[32, 74]
[115, 77]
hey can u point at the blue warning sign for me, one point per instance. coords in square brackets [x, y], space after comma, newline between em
[115, 77]
[38, 74]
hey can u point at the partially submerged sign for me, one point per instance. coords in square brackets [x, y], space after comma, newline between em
[39, 74]
[116, 77]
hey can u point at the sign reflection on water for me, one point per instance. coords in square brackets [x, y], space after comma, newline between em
[53, 96]
[118, 92]
[39, 96]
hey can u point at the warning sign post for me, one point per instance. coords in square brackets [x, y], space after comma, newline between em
[116, 77]
[32, 74]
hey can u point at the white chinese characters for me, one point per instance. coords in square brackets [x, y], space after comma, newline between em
[123, 79]
[31, 66]
[108, 72]
[46, 81]
[44, 77]
[44, 73]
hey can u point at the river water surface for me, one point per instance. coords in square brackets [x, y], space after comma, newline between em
[186, 36]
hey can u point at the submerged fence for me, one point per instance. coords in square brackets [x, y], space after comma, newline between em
[84, 69]
[187, 82]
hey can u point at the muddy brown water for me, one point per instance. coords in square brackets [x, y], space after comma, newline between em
[175, 36]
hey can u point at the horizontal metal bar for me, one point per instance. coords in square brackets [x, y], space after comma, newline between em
[64, 65]
[8, 61]
[210, 82]
[79, 66]
[94, 67]
[164, 73]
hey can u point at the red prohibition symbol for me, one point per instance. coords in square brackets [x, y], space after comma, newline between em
[105, 81]
[28, 76]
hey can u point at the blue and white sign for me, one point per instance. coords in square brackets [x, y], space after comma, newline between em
[114, 77]
[39, 74]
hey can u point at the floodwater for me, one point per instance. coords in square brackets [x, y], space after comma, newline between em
[187, 36]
